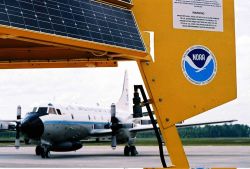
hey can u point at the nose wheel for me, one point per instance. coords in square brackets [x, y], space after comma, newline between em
[130, 150]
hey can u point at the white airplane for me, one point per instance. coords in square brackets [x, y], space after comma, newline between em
[61, 128]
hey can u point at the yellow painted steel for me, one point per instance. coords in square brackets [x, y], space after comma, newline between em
[71, 43]
[175, 98]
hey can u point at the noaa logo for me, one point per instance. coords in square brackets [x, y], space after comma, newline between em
[199, 65]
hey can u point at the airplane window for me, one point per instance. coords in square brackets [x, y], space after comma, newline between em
[42, 110]
[58, 111]
[52, 111]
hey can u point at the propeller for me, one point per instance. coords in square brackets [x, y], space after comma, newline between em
[114, 125]
[18, 125]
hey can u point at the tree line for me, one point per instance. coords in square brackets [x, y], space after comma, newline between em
[208, 131]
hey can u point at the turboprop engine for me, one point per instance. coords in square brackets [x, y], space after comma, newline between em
[122, 136]
[66, 146]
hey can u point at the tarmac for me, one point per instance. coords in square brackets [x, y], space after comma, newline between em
[105, 157]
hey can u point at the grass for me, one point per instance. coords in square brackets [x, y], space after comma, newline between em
[189, 142]
[217, 141]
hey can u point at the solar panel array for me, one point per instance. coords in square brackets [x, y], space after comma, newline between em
[81, 19]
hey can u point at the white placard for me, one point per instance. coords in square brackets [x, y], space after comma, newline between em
[204, 15]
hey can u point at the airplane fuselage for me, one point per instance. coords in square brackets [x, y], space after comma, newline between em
[73, 124]
[54, 125]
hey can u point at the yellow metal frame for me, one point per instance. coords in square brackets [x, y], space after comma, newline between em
[174, 98]
[7, 32]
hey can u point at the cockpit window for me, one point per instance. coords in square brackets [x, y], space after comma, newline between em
[52, 111]
[58, 111]
[42, 110]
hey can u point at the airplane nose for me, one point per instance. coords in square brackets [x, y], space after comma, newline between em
[33, 127]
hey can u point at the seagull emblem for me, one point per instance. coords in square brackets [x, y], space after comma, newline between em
[191, 63]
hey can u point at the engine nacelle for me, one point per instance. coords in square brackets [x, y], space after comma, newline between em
[123, 136]
[66, 146]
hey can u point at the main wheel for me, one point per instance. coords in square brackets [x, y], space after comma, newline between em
[43, 153]
[133, 151]
[38, 150]
[47, 154]
[126, 150]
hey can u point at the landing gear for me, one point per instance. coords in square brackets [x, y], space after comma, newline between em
[133, 151]
[38, 150]
[45, 152]
[130, 150]
[126, 150]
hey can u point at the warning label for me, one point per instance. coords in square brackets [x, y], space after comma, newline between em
[198, 15]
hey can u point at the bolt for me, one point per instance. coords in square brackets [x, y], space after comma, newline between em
[160, 99]
[167, 120]
[153, 80]
[147, 63]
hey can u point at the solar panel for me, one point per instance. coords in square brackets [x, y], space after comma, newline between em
[81, 19]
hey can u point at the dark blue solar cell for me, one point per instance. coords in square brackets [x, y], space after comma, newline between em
[4, 17]
[54, 12]
[84, 32]
[59, 28]
[71, 30]
[40, 9]
[82, 19]
[45, 25]
[13, 3]
[4, 23]
[31, 22]
[56, 20]
[81, 25]
[16, 19]
[51, 3]
[25, 5]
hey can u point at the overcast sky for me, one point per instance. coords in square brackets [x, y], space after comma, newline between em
[103, 85]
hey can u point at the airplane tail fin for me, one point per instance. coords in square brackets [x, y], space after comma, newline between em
[123, 103]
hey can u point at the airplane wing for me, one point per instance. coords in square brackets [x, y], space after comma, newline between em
[206, 123]
[100, 132]
[149, 127]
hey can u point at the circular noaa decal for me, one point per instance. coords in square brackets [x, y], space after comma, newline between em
[199, 65]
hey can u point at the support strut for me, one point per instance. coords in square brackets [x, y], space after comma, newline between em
[150, 113]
